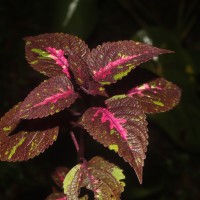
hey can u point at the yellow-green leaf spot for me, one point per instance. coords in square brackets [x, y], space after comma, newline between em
[52, 107]
[138, 161]
[101, 89]
[13, 150]
[112, 131]
[54, 137]
[117, 97]
[113, 147]
[80, 81]
[42, 53]
[70, 177]
[34, 62]
[105, 83]
[124, 73]
[33, 146]
[158, 103]
[8, 128]
[118, 174]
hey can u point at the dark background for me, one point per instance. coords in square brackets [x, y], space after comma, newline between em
[172, 167]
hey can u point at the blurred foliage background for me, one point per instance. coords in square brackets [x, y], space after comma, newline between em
[172, 167]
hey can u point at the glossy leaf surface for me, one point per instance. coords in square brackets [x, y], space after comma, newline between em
[50, 53]
[51, 96]
[120, 127]
[110, 62]
[156, 96]
[98, 175]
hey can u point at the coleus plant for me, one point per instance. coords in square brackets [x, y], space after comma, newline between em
[119, 124]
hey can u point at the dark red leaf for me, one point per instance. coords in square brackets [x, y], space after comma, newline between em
[156, 96]
[49, 97]
[120, 127]
[22, 145]
[25, 145]
[50, 53]
[111, 61]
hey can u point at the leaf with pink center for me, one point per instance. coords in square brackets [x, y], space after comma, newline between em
[19, 145]
[120, 127]
[50, 53]
[98, 175]
[111, 61]
[157, 95]
[51, 96]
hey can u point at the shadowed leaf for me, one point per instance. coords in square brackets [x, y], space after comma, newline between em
[24, 144]
[51, 96]
[111, 61]
[120, 127]
[98, 175]
[156, 96]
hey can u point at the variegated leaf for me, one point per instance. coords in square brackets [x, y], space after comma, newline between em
[50, 53]
[23, 144]
[120, 127]
[51, 96]
[98, 175]
[157, 95]
[111, 61]
[73, 182]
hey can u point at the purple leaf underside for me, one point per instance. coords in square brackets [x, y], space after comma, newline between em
[110, 62]
[51, 96]
[23, 145]
[120, 127]
[50, 53]
[97, 175]
[156, 96]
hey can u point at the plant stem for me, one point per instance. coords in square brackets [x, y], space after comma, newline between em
[79, 146]
[75, 141]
